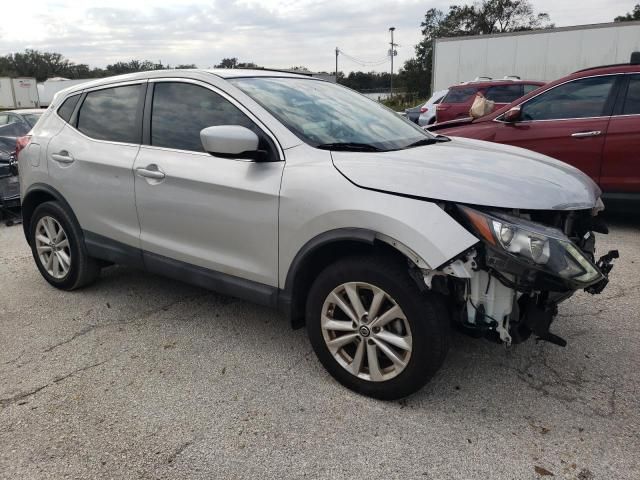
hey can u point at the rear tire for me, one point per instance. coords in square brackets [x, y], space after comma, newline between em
[389, 355]
[58, 248]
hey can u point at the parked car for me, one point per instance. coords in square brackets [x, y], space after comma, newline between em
[458, 101]
[16, 123]
[413, 113]
[294, 192]
[589, 119]
[9, 186]
[428, 110]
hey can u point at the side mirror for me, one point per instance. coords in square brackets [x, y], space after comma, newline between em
[512, 115]
[231, 141]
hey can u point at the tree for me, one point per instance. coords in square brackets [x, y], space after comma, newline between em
[631, 16]
[481, 18]
[132, 66]
[234, 63]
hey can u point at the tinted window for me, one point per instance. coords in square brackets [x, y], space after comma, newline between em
[111, 114]
[632, 102]
[504, 93]
[460, 95]
[66, 109]
[528, 88]
[582, 98]
[181, 110]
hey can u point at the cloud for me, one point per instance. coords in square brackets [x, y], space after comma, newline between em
[275, 33]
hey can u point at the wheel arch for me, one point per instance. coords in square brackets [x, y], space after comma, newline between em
[328, 248]
[37, 194]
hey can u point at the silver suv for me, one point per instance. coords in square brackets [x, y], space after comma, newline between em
[298, 193]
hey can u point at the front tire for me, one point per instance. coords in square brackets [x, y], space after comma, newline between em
[58, 248]
[373, 329]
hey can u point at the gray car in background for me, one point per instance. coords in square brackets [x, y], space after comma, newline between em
[428, 110]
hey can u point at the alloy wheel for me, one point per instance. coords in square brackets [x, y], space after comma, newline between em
[52, 246]
[366, 331]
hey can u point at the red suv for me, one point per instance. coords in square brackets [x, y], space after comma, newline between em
[460, 97]
[589, 119]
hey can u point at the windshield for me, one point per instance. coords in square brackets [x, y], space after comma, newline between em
[326, 115]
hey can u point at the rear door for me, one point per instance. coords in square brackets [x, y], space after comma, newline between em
[567, 122]
[456, 104]
[621, 161]
[90, 160]
[503, 94]
[204, 210]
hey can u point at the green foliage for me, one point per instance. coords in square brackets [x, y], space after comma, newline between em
[631, 16]
[233, 63]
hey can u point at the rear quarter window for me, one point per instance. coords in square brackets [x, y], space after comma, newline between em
[460, 95]
[66, 109]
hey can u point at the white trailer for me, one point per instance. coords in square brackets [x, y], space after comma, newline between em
[21, 92]
[542, 55]
[51, 86]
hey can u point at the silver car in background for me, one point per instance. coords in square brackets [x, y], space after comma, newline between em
[428, 110]
[300, 194]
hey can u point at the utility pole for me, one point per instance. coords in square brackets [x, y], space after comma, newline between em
[337, 52]
[392, 53]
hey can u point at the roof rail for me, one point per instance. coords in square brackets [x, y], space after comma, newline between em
[511, 77]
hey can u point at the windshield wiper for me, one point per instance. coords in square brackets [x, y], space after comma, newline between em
[349, 147]
[429, 141]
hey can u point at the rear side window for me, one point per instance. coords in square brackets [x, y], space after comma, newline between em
[632, 102]
[460, 95]
[66, 109]
[583, 98]
[181, 110]
[111, 114]
[504, 93]
[528, 88]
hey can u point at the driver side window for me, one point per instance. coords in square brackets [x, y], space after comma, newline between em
[583, 98]
[181, 110]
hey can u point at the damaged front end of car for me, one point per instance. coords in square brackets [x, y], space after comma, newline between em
[509, 285]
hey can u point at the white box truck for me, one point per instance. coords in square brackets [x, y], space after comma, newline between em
[21, 92]
[542, 55]
[51, 86]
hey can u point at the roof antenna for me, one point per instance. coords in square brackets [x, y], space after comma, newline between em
[635, 58]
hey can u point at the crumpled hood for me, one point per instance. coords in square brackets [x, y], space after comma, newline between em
[473, 172]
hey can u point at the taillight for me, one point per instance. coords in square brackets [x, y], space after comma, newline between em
[424, 110]
[21, 143]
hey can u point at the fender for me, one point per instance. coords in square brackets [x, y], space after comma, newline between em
[27, 199]
[291, 297]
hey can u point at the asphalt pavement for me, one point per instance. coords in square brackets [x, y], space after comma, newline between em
[139, 376]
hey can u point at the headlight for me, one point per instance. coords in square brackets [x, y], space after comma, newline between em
[542, 247]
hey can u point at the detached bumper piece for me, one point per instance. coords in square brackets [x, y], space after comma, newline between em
[605, 264]
[538, 319]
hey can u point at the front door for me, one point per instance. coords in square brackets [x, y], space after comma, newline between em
[568, 122]
[206, 211]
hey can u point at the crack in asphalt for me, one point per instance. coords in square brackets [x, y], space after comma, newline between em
[94, 326]
[548, 386]
[5, 402]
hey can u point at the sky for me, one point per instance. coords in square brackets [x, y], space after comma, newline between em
[271, 33]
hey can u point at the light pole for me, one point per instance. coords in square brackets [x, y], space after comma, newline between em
[392, 53]
[337, 53]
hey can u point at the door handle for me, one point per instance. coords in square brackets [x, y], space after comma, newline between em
[594, 133]
[63, 157]
[150, 171]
